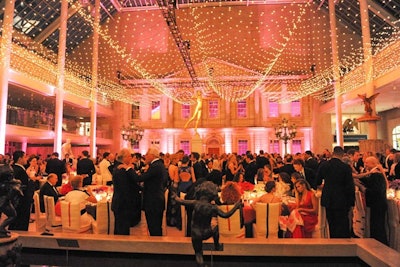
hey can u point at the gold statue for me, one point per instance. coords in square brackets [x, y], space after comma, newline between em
[197, 111]
[368, 102]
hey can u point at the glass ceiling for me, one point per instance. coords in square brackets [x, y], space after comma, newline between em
[39, 20]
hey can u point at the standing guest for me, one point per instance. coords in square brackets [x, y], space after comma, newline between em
[21, 222]
[33, 171]
[49, 189]
[155, 179]
[69, 162]
[173, 208]
[66, 148]
[305, 173]
[106, 175]
[250, 171]
[215, 174]
[287, 167]
[307, 206]
[338, 193]
[375, 195]
[55, 165]
[126, 201]
[186, 175]
[85, 168]
[199, 169]
[232, 167]
[310, 161]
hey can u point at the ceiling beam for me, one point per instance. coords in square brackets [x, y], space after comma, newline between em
[382, 13]
[55, 25]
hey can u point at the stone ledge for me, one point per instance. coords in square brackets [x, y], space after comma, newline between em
[369, 250]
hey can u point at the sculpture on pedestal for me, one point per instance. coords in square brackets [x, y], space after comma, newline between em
[197, 111]
[204, 209]
[9, 193]
[368, 103]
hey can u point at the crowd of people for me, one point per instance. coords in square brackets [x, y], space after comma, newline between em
[139, 182]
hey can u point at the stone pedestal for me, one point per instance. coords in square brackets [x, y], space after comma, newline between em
[10, 251]
[197, 144]
[374, 145]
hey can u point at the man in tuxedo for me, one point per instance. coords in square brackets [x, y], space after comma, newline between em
[310, 161]
[48, 189]
[155, 179]
[338, 193]
[21, 222]
[57, 166]
[199, 170]
[126, 201]
[85, 167]
[250, 170]
[305, 173]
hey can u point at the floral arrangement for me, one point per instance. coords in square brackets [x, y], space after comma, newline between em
[395, 184]
[100, 189]
[246, 186]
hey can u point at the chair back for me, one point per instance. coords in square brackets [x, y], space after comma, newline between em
[183, 215]
[232, 226]
[393, 224]
[40, 217]
[104, 223]
[164, 220]
[321, 229]
[360, 222]
[267, 219]
[49, 207]
[71, 218]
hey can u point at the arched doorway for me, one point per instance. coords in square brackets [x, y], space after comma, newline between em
[213, 146]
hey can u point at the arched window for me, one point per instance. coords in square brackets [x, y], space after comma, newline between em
[396, 137]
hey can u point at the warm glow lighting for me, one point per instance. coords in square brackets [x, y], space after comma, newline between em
[235, 50]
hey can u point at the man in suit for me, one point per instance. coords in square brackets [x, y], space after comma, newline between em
[305, 173]
[287, 167]
[199, 170]
[21, 222]
[57, 166]
[250, 170]
[155, 179]
[310, 161]
[338, 193]
[85, 167]
[126, 201]
[48, 189]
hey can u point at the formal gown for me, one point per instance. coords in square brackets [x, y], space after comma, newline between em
[309, 220]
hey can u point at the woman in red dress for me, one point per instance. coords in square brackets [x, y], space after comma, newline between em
[307, 206]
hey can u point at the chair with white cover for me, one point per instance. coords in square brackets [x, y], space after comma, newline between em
[49, 207]
[267, 220]
[321, 229]
[40, 217]
[104, 223]
[393, 224]
[164, 220]
[183, 215]
[72, 220]
[360, 216]
[232, 226]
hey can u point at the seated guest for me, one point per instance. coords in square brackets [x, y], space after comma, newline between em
[48, 189]
[269, 197]
[78, 195]
[214, 173]
[243, 185]
[307, 206]
[230, 193]
[284, 186]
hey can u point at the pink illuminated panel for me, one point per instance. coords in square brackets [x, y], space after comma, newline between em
[242, 109]
[242, 147]
[185, 146]
[296, 146]
[185, 111]
[295, 108]
[273, 110]
[213, 109]
[155, 110]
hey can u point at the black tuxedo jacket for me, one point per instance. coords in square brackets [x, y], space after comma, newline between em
[47, 190]
[338, 191]
[155, 180]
